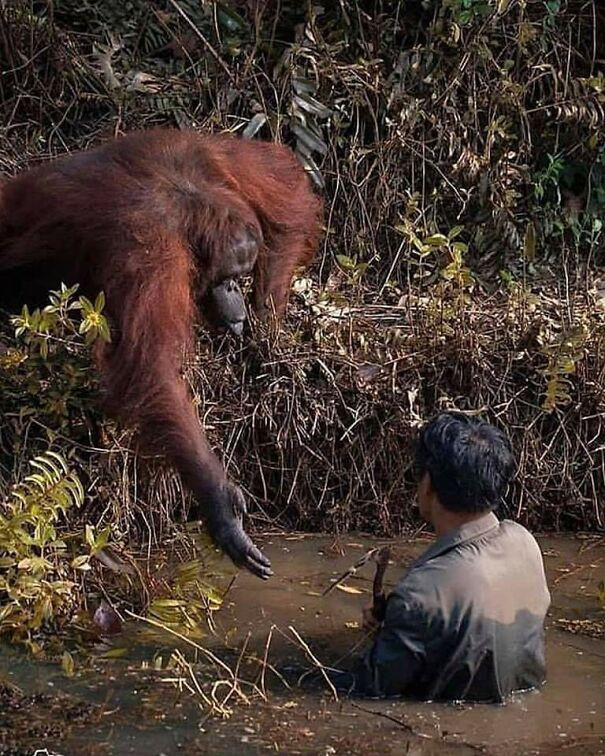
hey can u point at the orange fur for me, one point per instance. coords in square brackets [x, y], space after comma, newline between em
[149, 219]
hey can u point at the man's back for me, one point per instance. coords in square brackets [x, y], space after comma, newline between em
[466, 622]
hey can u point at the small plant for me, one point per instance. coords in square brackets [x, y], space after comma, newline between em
[548, 178]
[552, 8]
[38, 583]
[451, 293]
[191, 596]
[47, 395]
[563, 353]
[46, 391]
[41, 327]
[45, 371]
[570, 196]
[353, 267]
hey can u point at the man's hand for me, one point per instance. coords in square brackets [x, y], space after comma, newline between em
[370, 623]
[373, 616]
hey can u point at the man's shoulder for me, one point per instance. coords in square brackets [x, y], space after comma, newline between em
[458, 565]
[466, 568]
[519, 533]
[421, 583]
[515, 527]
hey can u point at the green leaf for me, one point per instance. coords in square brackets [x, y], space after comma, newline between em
[454, 232]
[102, 539]
[424, 249]
[436, 240]
[229, 19]
[81, 563]
[87, 306]
[100, 301]
[529, 244]
[104, 331]
[460, 247]
[67, 664]
[115, 653]
[345, 262]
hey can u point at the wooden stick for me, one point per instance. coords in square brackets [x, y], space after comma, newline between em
[352, 570]
[382, 560]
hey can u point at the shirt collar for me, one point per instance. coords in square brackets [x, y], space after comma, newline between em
[468, 532]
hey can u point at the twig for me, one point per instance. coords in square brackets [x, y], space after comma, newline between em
[352, 570]
[315, 660]
[203, 39]
[391, 718]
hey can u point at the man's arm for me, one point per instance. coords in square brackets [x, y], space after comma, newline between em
[396, 658]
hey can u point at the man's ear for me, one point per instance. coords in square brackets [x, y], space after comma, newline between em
[423, 495]
[428, 483]
[425, 484]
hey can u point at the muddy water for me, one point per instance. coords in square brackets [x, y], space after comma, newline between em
[121, 707]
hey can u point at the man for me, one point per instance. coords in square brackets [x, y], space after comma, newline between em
[467, 620]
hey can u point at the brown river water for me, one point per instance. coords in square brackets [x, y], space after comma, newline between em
[132, 705]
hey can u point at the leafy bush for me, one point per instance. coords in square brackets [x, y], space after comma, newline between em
[46, 390]
[38, 583]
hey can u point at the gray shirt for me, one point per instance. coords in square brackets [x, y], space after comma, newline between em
[467, 620]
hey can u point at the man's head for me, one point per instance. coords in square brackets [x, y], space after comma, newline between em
[463, 467]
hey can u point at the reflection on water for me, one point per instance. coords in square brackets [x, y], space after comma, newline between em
[136, 711]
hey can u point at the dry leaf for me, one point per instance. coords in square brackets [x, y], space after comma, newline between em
[349, 589]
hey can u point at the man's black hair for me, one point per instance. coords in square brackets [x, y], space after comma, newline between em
[469, 462]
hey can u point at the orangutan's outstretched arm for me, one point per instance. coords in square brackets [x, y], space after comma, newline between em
[150, 304]
[170, 419]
